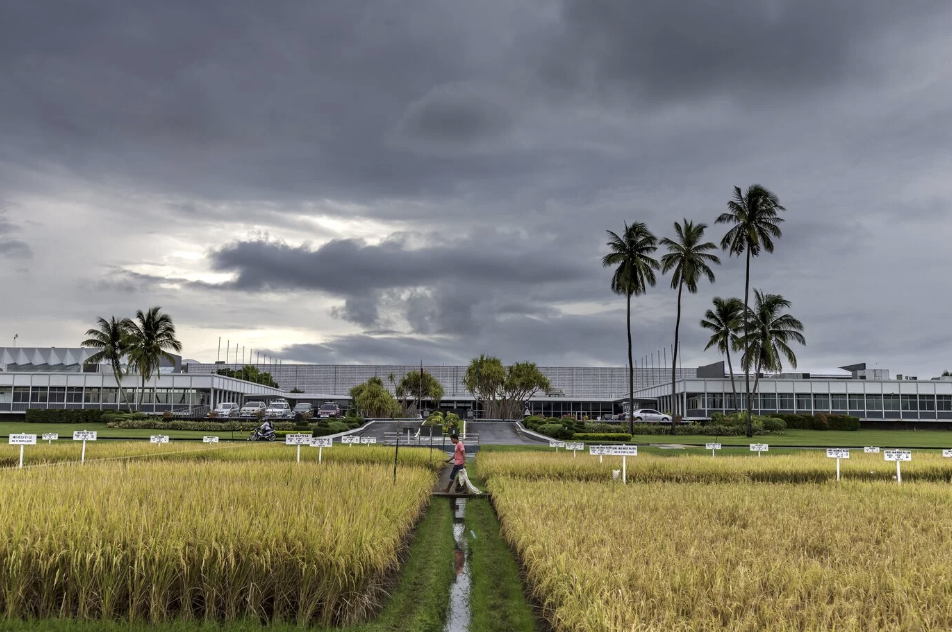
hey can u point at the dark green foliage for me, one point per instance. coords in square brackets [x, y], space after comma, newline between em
[64, 416]
[820, 421]
[605, 428]
[329, 428]
[601, 436]
[772, 424]
[556, 431]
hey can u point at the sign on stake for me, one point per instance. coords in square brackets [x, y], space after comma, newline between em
[350, 440]
[320, 443]
[624, 451]
[871, 450]
[159, 439]
[759, 447]
[298, 440]
[22, 440]
[837, 453]
[556, 445]
[712, 447]
[366, 440]
[574, 446]
[947, 453]
[898, 456]
[50, 437]
[209, 439]
[84, 436]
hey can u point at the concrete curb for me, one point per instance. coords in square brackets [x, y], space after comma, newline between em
[535, 435]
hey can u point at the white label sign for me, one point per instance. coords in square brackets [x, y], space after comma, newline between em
[22, 439]
[50, 436]
[897, 455]
[297, 439]
[947, 453]
[837, 453]
[368, 439]
[759, 447]
[616, 450]
[712, 446]
[556, 444]
[209, 439]
[574, 446]
[159, 439]
[84, 435]
[350, 439]
[871, 450]
[321, 442]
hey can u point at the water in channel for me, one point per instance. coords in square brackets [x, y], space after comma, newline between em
[457, 620]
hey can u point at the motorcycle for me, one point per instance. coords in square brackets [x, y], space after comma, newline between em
[262, 435]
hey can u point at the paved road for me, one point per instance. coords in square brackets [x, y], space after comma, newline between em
[490, 433]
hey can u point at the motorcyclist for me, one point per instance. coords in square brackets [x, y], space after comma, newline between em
[266, 428]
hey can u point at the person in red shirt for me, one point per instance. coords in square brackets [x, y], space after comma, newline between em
[458, 459]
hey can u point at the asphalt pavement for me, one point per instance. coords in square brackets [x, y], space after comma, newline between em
[489, 432]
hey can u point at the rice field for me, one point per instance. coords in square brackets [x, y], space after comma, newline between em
[802, 467]
[729, 543]
[207, 534]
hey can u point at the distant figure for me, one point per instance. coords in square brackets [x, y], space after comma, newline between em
[458, 459]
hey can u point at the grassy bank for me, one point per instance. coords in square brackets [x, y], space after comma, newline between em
[418, 602]
[497, 601]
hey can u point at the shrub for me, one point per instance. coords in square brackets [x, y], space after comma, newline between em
[330, 428]
[533, 422]
[556, 431]
[772, 424]
[821, 421]
[602, 436]
[38, 416]
[844, 422]
[605, 428]
[717, 418]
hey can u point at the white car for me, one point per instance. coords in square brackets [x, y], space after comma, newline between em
[279, 408]
[251, 409]
[648, 414]
[226, 409]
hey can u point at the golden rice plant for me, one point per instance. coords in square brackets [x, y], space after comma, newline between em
[801, 467]
[66, 451]
[736, 557]
[222, 540]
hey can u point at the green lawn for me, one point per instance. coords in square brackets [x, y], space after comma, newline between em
[829, 438]
[66, 431]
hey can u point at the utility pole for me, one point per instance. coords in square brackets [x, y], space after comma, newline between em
[15, 336]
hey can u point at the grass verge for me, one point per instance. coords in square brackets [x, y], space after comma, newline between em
[418, 603]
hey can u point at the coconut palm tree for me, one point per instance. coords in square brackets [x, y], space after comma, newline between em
[153, 337]
[755, 221]
[113, 341]
[630, 255]
[770, 332]
[688, 257]
[724, 321]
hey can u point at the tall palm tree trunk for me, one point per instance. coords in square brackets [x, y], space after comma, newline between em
[674, 362]
[750, 428]
[730, 367]
[117, 373]
[142, 392]
[631, 376]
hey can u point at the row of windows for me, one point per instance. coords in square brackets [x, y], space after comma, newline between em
[80, 395]
[821, 402]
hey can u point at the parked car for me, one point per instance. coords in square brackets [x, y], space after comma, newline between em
[328, 409]
[303, 409]
[251, 409]
[651, 415]
[278, 409]
[226, 409]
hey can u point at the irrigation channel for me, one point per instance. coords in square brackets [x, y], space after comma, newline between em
[458, 615]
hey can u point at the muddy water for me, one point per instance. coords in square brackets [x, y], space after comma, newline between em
[459, 616]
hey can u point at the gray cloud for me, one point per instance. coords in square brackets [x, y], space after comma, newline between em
[500, 139]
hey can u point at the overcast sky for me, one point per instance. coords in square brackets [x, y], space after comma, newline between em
[393, 181]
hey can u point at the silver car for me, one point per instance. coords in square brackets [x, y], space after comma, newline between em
[651, 415]
[251, 409]
[278, 409]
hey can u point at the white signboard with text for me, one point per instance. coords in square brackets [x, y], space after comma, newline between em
[209, 439]
[897, 455]
[712, 446]
[321, 442]
[947, 453]
[159, 439]
[837, 453]
[50, 436]
[297, 439]
[871, 450]
[84, 435]
[368, 440]
[759, 447]
[23, 439]
[350, 440]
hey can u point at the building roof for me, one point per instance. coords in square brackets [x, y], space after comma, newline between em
[42, 359]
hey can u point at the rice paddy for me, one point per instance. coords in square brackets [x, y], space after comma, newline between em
[182, 532]
[730, 543]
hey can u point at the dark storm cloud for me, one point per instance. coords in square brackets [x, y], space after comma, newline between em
[749, 50]
[9, 247]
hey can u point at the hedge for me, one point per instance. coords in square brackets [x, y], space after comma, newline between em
[820, 421]
[35, 415]
[556, 431]
[202, 426]
[601, 436]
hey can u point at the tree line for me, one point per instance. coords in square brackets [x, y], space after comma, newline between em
[763, 332]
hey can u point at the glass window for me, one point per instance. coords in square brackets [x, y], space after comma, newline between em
[927, 402]
[768, 401]
[162, 396]
[891, 402]
[715, 400]
[74, 395]
[821, 401]
[838, 401]
[21, 394]
[910, 402]
[130, 396]
[785, 401]
[695, 401]
[857, 403]
[943, 402]
[109, 395]
[39, 394]
[804, 402]
[874, 402]
[58, 394]
[91, 395]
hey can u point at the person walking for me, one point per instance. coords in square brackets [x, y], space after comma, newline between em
[458, 459]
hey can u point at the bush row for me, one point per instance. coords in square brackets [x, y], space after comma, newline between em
[204, 426]
[601, 436]
[820, 421]
[64, 416]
